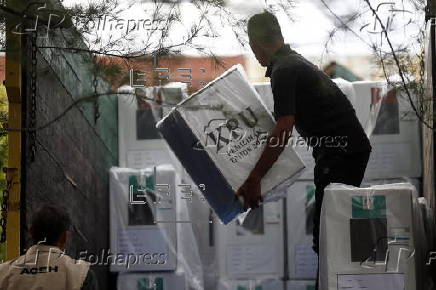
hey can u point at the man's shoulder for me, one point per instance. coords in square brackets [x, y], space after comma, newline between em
[292, 63]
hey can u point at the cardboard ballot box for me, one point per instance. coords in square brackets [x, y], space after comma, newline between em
[151, 281]
[254, 247]
[302, 260]
[250, 285]
[140, 143]
[371, 238]
[142, 219]
[218, 135]
[388, 118]
[300, 285]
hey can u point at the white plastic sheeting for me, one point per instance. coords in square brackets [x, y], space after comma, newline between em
[371, 238]
[150, 221]
[217, 134]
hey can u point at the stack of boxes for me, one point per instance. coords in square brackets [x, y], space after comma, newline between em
[145, 193]
[142, 222]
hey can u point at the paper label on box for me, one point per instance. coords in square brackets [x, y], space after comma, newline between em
[394, 281]
[306, 261]
[251, 259]
[146, 158]
[141, 241]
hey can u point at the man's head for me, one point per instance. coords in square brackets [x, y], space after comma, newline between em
[265, 36]
[50, 225]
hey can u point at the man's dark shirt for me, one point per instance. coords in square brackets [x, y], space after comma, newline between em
[91, 282]
[319, 106]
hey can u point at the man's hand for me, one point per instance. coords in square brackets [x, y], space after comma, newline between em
[250, 191]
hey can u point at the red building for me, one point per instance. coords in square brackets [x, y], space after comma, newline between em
[195, 71]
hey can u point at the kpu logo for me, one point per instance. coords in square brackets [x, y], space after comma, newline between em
[220, 133]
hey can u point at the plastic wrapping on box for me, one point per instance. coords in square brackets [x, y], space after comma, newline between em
[369, 96]
[151, 281]
[300, 285]
[251, 285]
[150, 221]
[256, 251]
[217, 134]
[371, 238]
[414, 181]
[302, 260]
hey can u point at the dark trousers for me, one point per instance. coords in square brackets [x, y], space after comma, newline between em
[335, 167]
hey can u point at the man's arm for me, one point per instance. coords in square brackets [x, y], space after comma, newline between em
[276, 143]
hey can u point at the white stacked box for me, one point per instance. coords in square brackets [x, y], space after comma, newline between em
[395, 138]
[300, 285]
[251, 285]
[151, 281]
[221, 127]
[139, 142]
[302, 260]
[142, 218]
[370, 238]
[254, 250]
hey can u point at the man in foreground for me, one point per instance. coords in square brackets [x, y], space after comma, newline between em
[306, 98]
[45, 265]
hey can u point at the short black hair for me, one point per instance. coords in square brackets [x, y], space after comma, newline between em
[49, 222]
[264, 27]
